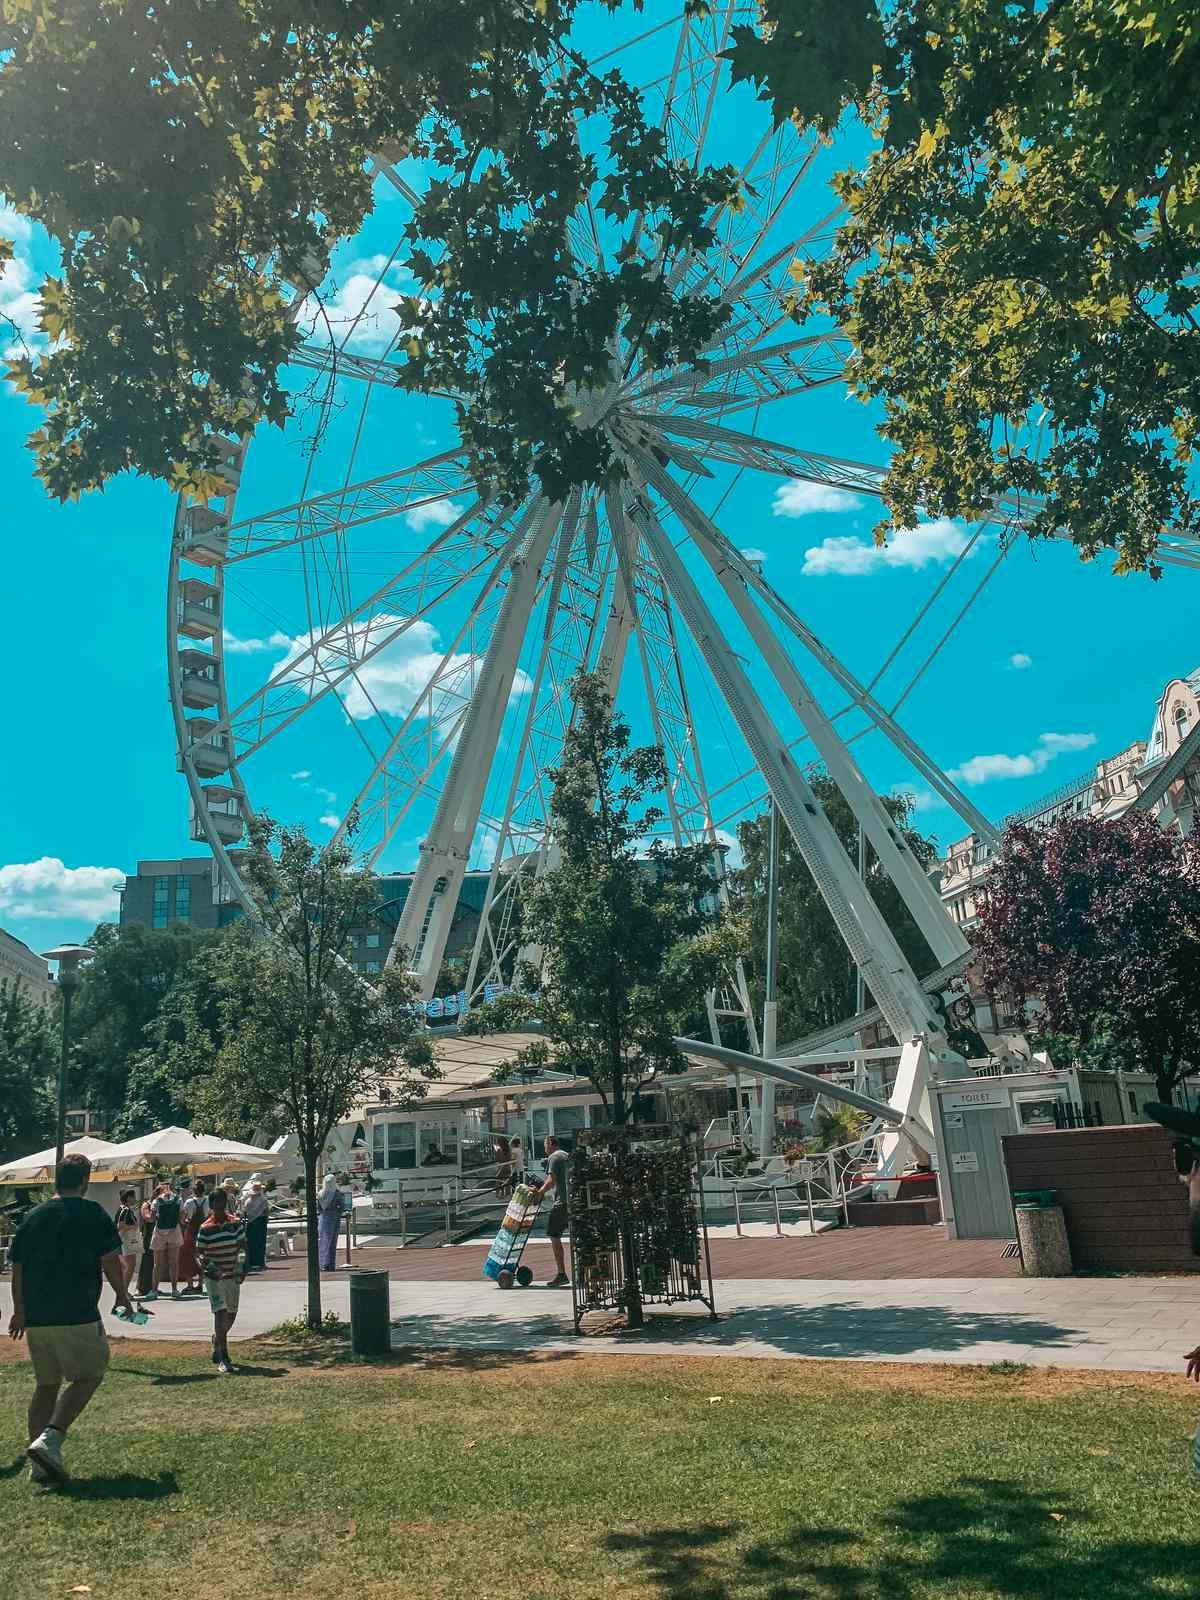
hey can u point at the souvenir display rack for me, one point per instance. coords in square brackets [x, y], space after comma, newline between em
[637, 1208]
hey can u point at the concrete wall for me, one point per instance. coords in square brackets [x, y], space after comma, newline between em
[1124, 1205]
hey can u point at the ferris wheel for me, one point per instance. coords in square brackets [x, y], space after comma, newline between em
[424, 675]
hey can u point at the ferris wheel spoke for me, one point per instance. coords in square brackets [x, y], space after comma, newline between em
[323, 664]
[412, 490]
[425, 922]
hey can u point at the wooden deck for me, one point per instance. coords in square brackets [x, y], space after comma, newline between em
[855, 1253]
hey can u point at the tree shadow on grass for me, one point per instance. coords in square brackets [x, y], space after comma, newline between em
[979, 1535]
[121, 1486]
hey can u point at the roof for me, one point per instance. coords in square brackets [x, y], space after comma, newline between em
[468, 1062]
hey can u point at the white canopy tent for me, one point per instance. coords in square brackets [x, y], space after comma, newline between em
[177, 1147]
[39, 1168]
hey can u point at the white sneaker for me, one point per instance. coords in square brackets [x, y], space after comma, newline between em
[46, 1452]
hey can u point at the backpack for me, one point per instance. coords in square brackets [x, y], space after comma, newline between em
[168, 1214]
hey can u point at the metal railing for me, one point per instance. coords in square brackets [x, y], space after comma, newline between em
[820, 1181]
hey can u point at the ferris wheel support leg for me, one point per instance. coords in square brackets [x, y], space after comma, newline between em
[910, 1095]
[867, 936]
[946, 941]
[429, 910]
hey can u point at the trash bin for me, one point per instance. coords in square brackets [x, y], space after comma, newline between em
[1042, 1234]
[370, 1313]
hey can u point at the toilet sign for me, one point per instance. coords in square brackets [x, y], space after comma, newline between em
[965, 1161]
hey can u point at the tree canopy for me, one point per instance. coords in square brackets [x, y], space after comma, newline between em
[198, 164]
[299, 1038]
[816, 985]
[1099, 920]
[1019, 266]
[28, 1058]
[628, 932]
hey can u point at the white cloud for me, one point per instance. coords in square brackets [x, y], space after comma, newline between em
[299, 777]
[248, 647]
[330, 820]
[343, 297]
[986, 769]
[919, 799]
[20, 303]
[753, 553]
[393, 678]
[327, 795]
[1018, 661]
[437, 514]
[928, 544]
[797, 499]
[47, 888]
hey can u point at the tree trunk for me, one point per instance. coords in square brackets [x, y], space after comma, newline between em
[312, 1243]
[634, 1315]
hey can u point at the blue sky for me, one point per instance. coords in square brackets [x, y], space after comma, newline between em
[1057, 665]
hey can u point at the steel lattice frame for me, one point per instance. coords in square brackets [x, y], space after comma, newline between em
[607, 580]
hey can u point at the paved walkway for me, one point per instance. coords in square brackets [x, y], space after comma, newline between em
[845, 1253]
[1120, 1324]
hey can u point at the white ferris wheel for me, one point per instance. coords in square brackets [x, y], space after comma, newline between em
[504, 602]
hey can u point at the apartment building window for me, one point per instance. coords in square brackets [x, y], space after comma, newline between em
[372, 941]
[183, 900]
[159, 911]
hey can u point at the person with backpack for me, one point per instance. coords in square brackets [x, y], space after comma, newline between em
[195, 1209]
[166, 1240]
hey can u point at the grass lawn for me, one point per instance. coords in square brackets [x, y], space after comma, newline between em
[624, 1477]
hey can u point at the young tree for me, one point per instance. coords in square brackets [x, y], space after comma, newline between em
[629, 933]
[1100, 920]
[28, 1073]
[816, 972]
[301, 1037]
[197, 167]
[1019, 267]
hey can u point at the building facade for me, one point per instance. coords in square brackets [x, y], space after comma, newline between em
[192, 894]
[1107, 791]
[19, 965]
[171, 894]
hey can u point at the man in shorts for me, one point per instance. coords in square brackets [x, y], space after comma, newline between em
[221, 1252]
[58, 1254]
[557, 1222]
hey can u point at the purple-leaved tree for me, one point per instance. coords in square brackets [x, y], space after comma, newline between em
[1100, 920]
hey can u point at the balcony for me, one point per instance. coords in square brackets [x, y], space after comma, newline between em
[198, 615]
[224, 811]
[205, 536]
[199, 687]
[209, 752]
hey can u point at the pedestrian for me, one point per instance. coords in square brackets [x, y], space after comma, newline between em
[146, 1265]
[329, 1220]
[221, 1247]
[558, 1221]
[232, 1203]
[516, 1160]
[166, 1240]
[255, 1210]
[58, 1254]
[129, 1228]
[195, 1209]
[503, 1169]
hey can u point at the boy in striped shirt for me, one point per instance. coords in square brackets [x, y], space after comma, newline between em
[221, 1252]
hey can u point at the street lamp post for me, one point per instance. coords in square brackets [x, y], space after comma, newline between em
[68, 957]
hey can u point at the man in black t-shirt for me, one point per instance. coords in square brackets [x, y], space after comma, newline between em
[57, 1255]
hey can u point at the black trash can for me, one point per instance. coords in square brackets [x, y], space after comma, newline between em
[370, 1313]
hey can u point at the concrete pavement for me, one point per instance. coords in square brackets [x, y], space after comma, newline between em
[1117, 1324]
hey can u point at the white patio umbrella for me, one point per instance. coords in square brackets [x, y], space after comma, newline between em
[177, 1147]
[39, 1168]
